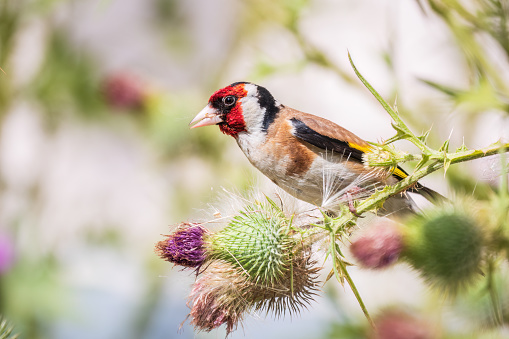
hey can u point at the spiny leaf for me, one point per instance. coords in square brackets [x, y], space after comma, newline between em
[453, 92]
[463, 148]
[445, 146]
[422, 162]
[424, 137]
[385, 105]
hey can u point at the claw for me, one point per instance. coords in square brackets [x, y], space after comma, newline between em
[351, 207]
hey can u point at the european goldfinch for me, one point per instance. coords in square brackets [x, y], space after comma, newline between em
[311, 158]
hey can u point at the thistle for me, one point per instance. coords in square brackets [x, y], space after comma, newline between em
[185, 246]
[378, 247]
[445, 247]
[223, 294]
[258, 262]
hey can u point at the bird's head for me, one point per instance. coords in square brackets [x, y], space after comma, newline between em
[239, 107]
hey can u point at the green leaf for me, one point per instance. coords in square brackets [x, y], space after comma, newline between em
[385, 105]
[453, 92]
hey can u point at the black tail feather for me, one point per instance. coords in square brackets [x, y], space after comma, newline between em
[429, 194]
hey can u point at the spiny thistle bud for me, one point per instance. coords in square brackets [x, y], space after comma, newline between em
[378, 247]
[185, 246]
[445, 247]
[258, 241]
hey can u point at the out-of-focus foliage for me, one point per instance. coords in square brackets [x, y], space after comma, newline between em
[6, 330]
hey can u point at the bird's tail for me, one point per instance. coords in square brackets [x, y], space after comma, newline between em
[430, 195]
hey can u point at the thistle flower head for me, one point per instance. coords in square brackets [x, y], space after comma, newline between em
[259, 261]
[217, 298]
[378, 247]
[185, 246]
[255, 263]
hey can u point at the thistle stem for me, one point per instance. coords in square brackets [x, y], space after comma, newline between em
[337, 261]
[356, 293]
[452, 158]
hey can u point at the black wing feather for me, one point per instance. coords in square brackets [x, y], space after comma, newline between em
[307, 134]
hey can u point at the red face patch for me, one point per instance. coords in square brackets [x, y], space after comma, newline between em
[232, 116]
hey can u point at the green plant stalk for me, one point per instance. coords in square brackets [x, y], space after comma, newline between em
[448, 158]
[336, 261]
[356, 293]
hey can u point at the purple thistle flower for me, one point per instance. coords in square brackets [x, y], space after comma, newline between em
[184, 247]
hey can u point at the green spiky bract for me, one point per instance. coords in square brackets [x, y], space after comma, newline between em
[257, 242]
[445, 247]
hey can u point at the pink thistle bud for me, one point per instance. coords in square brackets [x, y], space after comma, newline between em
[123, 90]
[394, 324]
[217, 298]
[185, 246]
[378, 247]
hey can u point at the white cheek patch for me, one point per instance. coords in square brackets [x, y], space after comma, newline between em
[251, 110]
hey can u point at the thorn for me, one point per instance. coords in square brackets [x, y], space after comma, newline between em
[450, 134]
[3, 71]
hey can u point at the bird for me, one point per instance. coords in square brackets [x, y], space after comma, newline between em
[310, 157]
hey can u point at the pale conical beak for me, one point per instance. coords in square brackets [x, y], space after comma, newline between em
[208, 116]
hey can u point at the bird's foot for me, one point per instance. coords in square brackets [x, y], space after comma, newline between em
[351, 206]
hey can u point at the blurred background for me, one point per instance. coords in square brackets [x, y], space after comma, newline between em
[97, 159]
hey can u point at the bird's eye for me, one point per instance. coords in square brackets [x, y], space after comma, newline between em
[229, 100]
